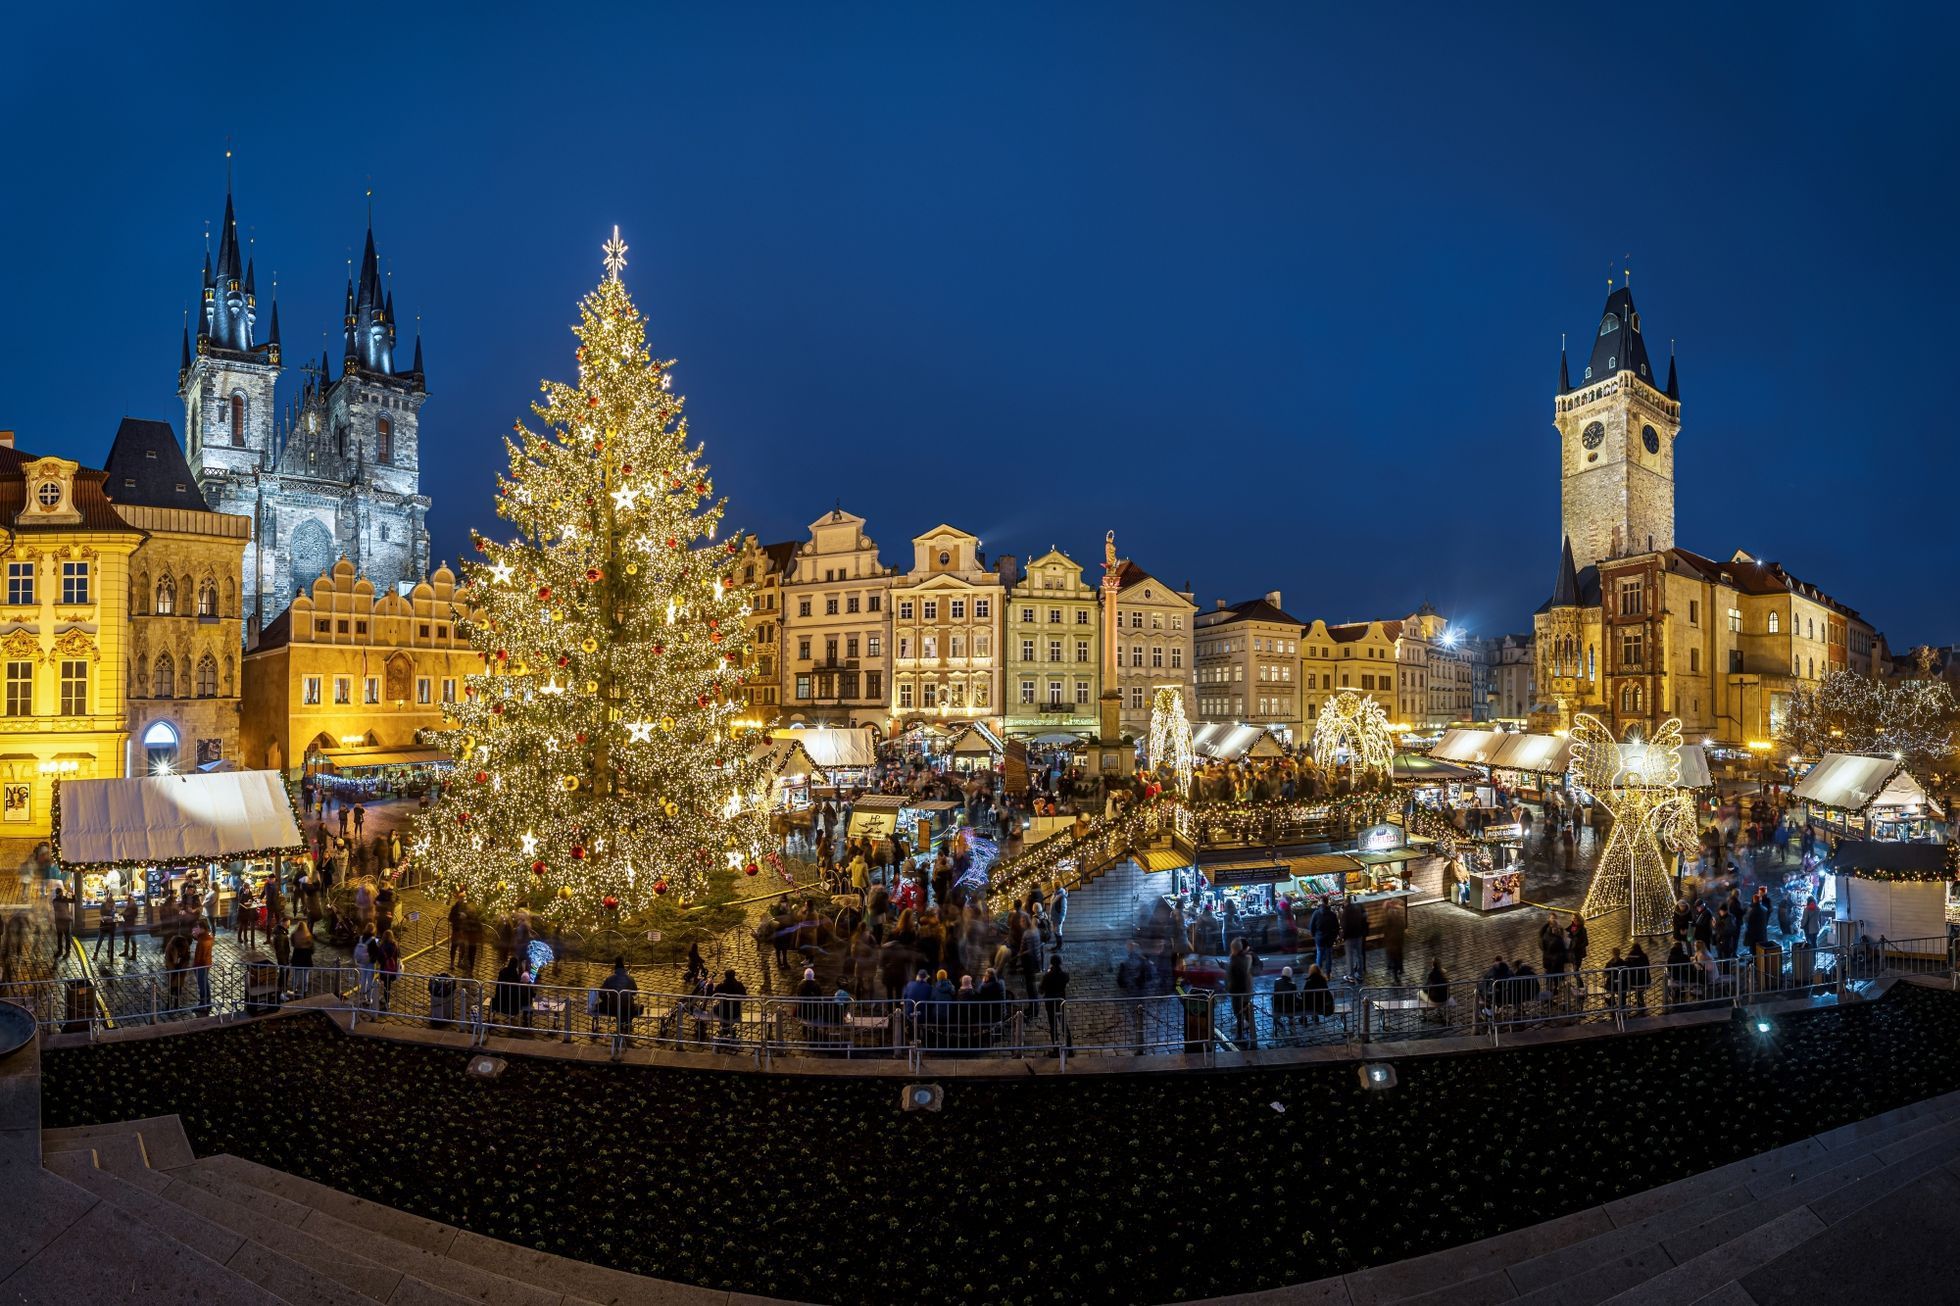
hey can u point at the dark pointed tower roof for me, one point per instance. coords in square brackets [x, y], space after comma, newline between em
[185, 366]
[146, 467]
[1618, 345]
[249, 289]
[228, 270]
[1673, 382]
[272, 335]
[1564, 372]
[1565, 593]
[417, 368]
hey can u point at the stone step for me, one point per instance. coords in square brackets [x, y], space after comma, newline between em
[163, 1137]
[103, 1253]
[122, 1155]
[308, 1226]
[285, 1278]
[585, 1281]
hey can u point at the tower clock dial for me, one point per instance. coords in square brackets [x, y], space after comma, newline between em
[1650, 438]
[1594, 433]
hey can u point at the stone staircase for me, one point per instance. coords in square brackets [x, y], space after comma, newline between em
[1791, 1225]
[142, 1218]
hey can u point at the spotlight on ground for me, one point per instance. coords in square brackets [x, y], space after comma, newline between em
[1763, 1026]
[1377, 1075]
[485, 1067]
[922, 1097]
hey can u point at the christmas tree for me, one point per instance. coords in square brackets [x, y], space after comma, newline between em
[598, 774]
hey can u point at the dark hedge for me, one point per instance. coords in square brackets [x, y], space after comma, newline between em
[1119, 1188]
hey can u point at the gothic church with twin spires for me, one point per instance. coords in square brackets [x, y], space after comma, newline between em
[334, 473]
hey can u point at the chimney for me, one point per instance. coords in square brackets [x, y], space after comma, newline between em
[1272, 597]
[7, 439]
[1221, 605]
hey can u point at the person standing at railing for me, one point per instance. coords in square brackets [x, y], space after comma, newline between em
[1054, 992]
[1395, 938]
[366, 948]
[302, 946]
[1354, 929]
[1323, 926]
[132, 916]
[176, 965]
[1031, 958]
[201, 942]
[1238, 984]
[1639, 974]
[1576, 942]
[64, 923]
[390, 967]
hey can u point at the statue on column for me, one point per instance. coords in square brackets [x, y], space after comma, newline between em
[1109, 554]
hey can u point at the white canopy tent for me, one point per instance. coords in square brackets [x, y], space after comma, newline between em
[786, 759]
[834, 747]
[1223, 742]
[1854, 782]
[174, 819]
[1542, 754]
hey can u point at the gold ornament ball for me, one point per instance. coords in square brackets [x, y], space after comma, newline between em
[568, 782]
[666, 723]
[632, 569]
[590, 645]
[591, 686]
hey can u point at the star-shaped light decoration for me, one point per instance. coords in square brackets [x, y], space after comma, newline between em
[639, 732]
[500, 572]
[624, 496]
[530, 842]
[552, 687]
[615, 252]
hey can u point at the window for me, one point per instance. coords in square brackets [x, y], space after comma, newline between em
[425, 691]
[74, 687]
[371, 690]
[958, 607]
[905, 695]
[1157, 655]
[929, 609]
[928, 695]
[384, 440]
[904, 610]
[238, 421]
[874, 684]
[20, 689]
[1054, 616]
[1631, 598]
[165, 684]
[1629, 698]
[1027, 692]
[1136, 695]
[850, 646]
[1774, 621]
[929, 647]
[1694, 612]
[877, 602]
[983, 645]
[1027, 615]
[74, 582]
[207, 599]
[311, 695]
[874, 646]
[956, 646]
[1054, 693]
[851, 602]
[803, 648]
[905, 646]
[1631, 648]
[343, 690]
[1082, 616]
[1081, 650]
[20, 583]
[207, 677]
[1735, 620]
[1136, 655]
[1136, 620]
[1054, 650]
[830, 606]
[1177, 658]
[803, 607]
[1081, 693]
[982, 610]
[1694, 660]
[1156, 621]
[803, 688]
[1810, 627]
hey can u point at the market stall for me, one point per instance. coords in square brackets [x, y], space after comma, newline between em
[364, 773]
[845, 755]
[1891, 891]
[1853, 796]
[1221, 742]
[976, 748]
[147, 834]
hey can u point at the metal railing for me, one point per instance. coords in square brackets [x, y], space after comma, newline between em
[1191, 1023]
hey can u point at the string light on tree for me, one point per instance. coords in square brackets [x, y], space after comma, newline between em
[614, 729]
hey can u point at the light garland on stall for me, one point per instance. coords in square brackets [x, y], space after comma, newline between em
[599, 769]
[1639, 781]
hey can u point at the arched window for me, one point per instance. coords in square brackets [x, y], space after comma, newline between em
[139, 592]
[384, 440]
[166, 596]
[207, 598]
[237, 419]
[160, 748]
[166, 677]
[207, 677]
[1775, 621]
[1629, 698]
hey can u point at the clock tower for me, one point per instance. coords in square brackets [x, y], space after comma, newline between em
[1616, 429]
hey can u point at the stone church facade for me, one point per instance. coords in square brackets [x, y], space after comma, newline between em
[337, 474]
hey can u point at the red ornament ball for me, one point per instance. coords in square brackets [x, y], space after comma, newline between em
[751, 869]
[713, 622]
[660, 885]
[497, 709]
[483, 777]
[592, 401]
[626, 469]
[673, 543]
[580, 736]
[578, 852]
[537, 867]
[701, 487]
[609, 902]
[592, 574]
[700, 700]
[564, 661]
[658, 649]
[544, 591]
[731, 546]
[462, 818]
[714, 637]
[503, 655]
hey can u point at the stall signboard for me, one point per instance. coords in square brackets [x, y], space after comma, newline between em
[1500, 833]
[17, 800]
[1500, 889]
[875, 825]
[1223, 877]
[1382, 838]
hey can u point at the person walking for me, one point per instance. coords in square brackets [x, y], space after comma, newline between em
[1238, 986]
[105, 931]
[1639, 974]
[131, 918]
[618, 996]
[1058, 912]
[1323, 927]
[360, 818]
[1576, 941]
[390, 966]
[1395, 937]
[1551, 953]
[1031, 957]
[1354, 928]
[64, 923]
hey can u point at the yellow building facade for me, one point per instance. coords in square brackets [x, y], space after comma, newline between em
[1054, 650]
[345, 668]
[946, 632]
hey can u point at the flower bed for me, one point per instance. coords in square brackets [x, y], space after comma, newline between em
[1118, 1188]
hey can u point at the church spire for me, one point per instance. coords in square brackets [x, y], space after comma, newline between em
[228, 311]
[417, 368]
[1565, 592]
[370, 311]
[1673, 382]
[1564, 372]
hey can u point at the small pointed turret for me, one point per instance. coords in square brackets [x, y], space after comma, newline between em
[249, 290]
[417, 369]
[1564, 371]
[1673, 382]
[1565, 593]
[272, 335]
[185, 365]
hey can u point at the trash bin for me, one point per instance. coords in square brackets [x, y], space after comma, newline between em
[444, 999]
[262, 985]
[79, 1010]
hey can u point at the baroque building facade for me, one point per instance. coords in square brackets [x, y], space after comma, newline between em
[336, 475]
[1152, 645]
[946, 631]
[1248, 661]
[836, 628]
[1638, 630]
[762, 568]
[1053, 650]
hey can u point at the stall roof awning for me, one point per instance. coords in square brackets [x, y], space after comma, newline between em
[977, 741]
[1417, 769]
[1543, 754]
[933, 805]
[347, 759]
[880, 803]
[175, 819]
[1387, 857]
[1863, 855]
[1323, 864]
[1223, 742]
[1855, 783]
[1477, 747]
[786, 759]
[1160, 859]
[1694, 767]
[834, 746]
[1226, 874]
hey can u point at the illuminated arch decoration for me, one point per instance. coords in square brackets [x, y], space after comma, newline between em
[1171, 756]
[1639, 781]
[1353, 724]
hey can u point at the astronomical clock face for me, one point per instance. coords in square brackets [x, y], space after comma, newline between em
[1651, 438]
[1594, 433]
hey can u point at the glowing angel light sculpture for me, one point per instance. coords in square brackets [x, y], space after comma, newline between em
[1639, 780]
[1171, 756]
[1357, 724]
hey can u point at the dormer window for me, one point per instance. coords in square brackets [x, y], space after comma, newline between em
[1609, 324]
[48, 494]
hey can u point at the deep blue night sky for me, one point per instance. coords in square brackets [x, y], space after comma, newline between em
[1274, 291]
